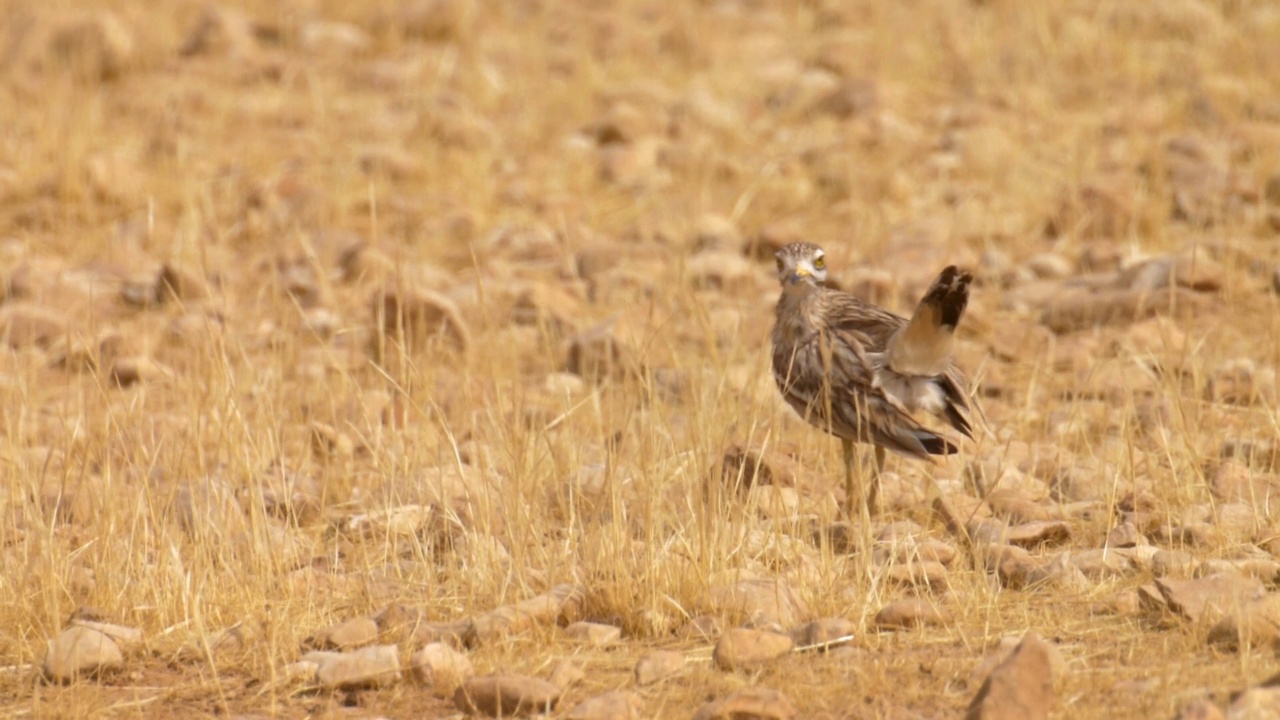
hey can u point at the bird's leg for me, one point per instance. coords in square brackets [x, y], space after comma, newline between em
[874, 493]
[849, 494]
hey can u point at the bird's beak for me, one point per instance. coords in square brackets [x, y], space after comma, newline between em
[797, 274]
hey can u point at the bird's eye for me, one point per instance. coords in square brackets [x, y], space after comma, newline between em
[781, 264]
[819, 262]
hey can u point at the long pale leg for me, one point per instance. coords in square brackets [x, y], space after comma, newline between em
[873, 495]
[849, 492]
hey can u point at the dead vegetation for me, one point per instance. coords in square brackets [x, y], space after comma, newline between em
[348, 350]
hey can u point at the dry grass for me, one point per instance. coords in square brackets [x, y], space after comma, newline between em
[464, 149]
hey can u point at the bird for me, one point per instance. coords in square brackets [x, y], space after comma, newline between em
[861, 372]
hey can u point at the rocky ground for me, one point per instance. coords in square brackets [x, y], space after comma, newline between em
[409, 358]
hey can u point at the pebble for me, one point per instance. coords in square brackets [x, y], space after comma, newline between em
[823, 633]
[761, 601]
[1208, 598]
[1253, 624]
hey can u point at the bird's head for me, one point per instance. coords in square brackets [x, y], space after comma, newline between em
[801, 265]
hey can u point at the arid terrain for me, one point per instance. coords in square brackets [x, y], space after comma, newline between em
[353, 353]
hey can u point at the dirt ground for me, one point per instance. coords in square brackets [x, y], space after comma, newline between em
[318, 310]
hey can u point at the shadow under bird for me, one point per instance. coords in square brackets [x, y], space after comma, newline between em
[861, 372]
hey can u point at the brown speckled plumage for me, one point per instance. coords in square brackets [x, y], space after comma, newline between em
[859, 371]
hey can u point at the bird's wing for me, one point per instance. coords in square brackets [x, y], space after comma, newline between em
[830, 377]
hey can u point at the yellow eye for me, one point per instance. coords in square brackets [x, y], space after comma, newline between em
[819, 262]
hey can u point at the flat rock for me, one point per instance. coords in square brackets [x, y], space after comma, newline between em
[594, 634]
[1008, 645]
[80, 651]
[744, 647]
[909, 613]
[1210, 597]
[374, 666]
[749, 704]
[761, 601]
[506, 695]
[441, 668]
[1020, 688]
[658, 665]
[616, 705]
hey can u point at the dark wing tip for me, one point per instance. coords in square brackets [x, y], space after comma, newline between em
[938, 445]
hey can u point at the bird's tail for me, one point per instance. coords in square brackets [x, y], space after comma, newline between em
[923, 346]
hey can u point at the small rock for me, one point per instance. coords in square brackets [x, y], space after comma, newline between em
[81, 652]
[744, 647]
[506, 695]
[702, 628]
[175, 284]
[566, 673]
[658, 665]
[97, 47]
[616, 705]
[1173, 564]
[1256, 703]
[594, 634]
[597, 354]
[1020, 688]
[374, 666]
[23, 325]
[416, 317]
[910, 613]
[1035, 534]
[1234, 481]
[440, 668]
[1125, 535]
[749, 704]
[925, 575]
[1208, 598]
[128, 371]
[1199, 709]
[1008, 645]
[1254, 624]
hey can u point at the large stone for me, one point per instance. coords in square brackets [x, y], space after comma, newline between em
[368, 667]
[81, 652]
[761, 601]
[506, 695]
[1255, 623]
[1208, 598]
[658, 665]
[1020, 688]
[441, 668]
[744, 647]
